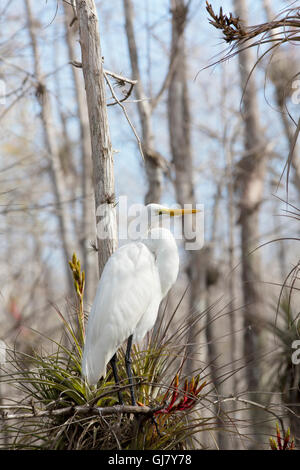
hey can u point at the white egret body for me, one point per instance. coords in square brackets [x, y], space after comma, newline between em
[134, 281]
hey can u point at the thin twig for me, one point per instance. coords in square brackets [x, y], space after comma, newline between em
[117, 76]
[125, 113]
[120, 79]
[253, 403]
[111, 430]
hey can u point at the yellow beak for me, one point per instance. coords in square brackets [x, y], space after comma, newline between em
[178, 212]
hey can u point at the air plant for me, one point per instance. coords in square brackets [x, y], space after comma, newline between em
[234, 29]
[282, 443]
[79, 284]
[177, 400]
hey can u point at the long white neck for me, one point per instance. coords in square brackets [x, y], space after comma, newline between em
[161, 243]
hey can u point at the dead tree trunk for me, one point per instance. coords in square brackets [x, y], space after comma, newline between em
[56, 172]
[179, 132]
[154, 162]
[250, 178]
[87, 224]
[102, 152]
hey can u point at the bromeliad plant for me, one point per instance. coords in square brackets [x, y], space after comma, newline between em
[177, 400]
[282, 443]
[79, 284]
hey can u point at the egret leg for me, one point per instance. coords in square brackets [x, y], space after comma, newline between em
[128, 369]
[113, 363]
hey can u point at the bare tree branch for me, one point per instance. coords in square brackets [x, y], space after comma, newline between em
[119, 102]
[82, 410]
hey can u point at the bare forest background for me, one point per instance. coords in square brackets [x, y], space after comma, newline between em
[183, 126]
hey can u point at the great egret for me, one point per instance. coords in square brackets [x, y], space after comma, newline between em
[134, 281]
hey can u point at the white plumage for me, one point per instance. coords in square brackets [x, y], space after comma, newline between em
[134, 281]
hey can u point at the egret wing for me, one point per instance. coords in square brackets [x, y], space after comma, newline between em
[128, 284]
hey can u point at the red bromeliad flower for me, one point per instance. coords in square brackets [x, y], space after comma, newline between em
[180, 400]
[279, 445]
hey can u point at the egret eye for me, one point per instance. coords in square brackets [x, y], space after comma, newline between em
[160, 212]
